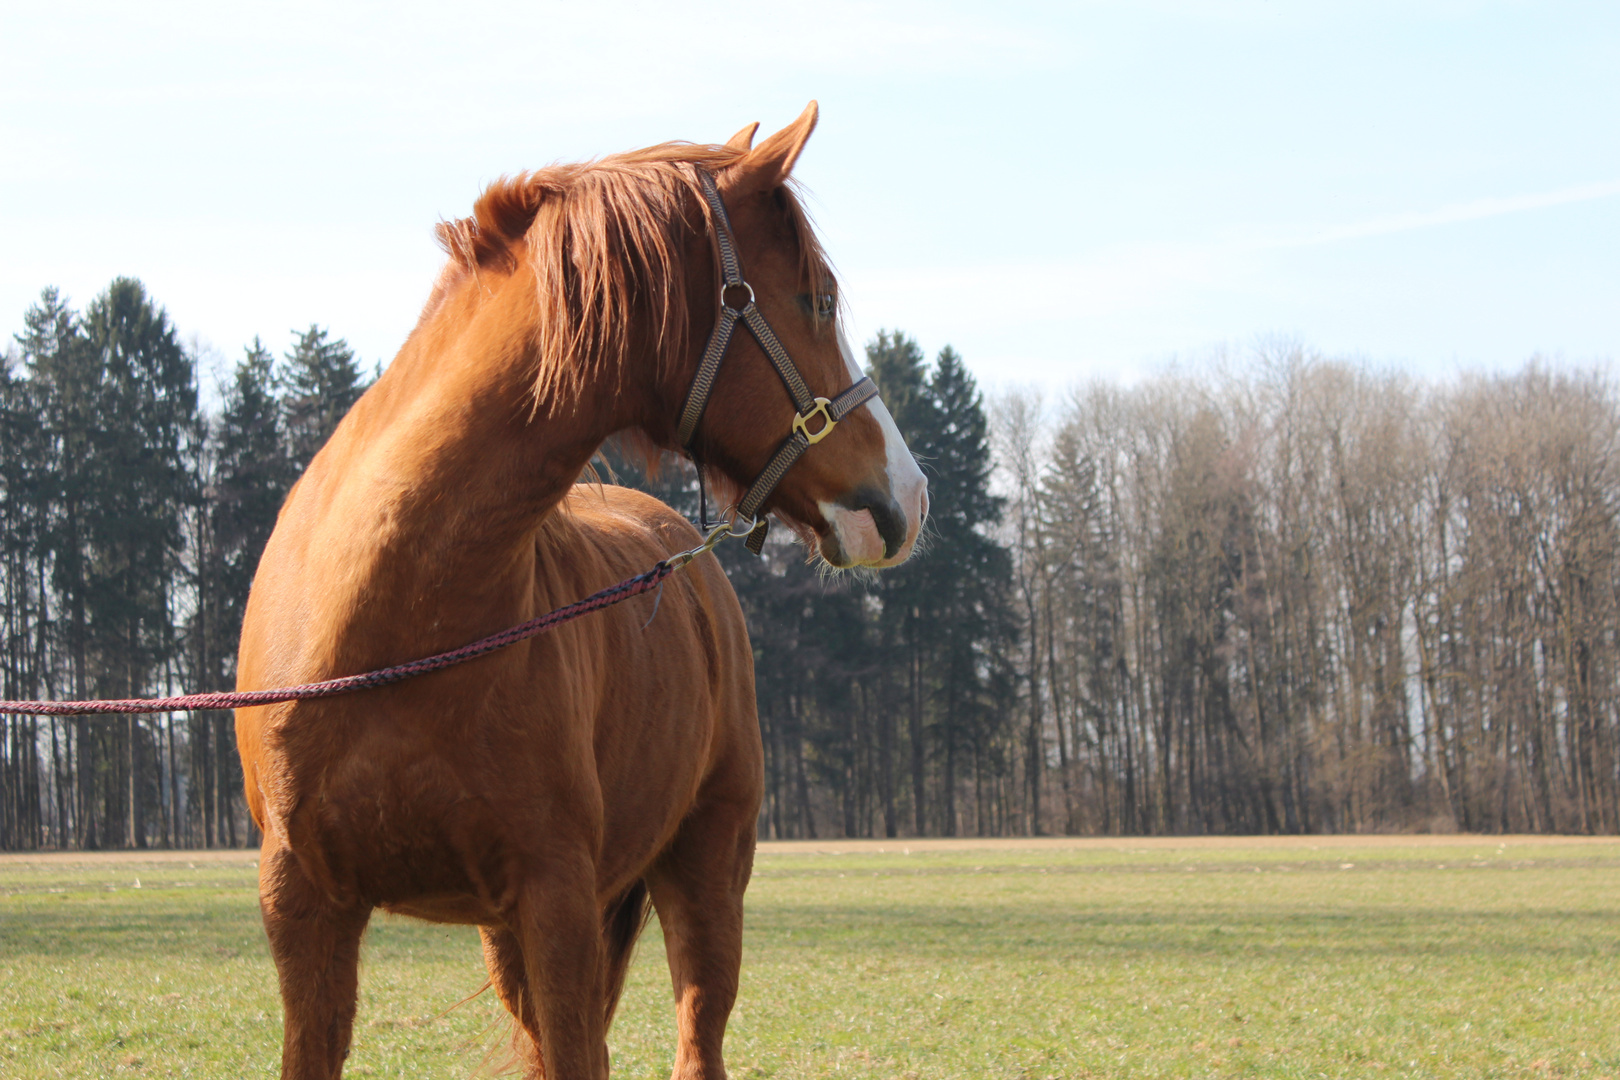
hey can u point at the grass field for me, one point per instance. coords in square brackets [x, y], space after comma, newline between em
[1423, 956]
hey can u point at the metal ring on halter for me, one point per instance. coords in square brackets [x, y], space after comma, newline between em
[800, 420]
[732, 530]
[736, 285]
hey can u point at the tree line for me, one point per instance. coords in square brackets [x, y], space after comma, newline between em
[133, 521]
[1301, 597]
[1313, 598]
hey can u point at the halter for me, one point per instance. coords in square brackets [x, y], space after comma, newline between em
[808, 407]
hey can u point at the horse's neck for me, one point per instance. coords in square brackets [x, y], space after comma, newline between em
[427, 503]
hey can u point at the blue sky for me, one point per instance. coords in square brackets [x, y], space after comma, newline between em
[1061, 191]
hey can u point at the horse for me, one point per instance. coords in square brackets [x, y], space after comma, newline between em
[557, 792]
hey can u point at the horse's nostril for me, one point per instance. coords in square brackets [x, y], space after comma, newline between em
[891, 525]
[890, 519]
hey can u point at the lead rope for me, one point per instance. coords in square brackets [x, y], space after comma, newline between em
[349, 684]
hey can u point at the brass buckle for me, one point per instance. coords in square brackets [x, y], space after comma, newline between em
[800, 422]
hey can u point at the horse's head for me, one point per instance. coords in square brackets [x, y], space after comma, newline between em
[855, 489]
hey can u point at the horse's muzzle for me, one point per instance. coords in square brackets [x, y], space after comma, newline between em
[869, 527]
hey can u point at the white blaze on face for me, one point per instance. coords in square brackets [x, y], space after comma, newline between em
[857, 533]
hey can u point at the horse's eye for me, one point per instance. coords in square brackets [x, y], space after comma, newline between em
[821, 306]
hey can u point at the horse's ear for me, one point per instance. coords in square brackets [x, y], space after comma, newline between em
[744, 138]
[769, 163]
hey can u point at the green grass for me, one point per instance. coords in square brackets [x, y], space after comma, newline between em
[1314, 959]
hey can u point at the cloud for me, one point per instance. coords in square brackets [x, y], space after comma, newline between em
[1142, 277]
[1475, 210]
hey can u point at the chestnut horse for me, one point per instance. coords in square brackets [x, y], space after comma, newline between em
[549, 792]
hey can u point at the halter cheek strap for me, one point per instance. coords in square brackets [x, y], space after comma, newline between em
[815, 416]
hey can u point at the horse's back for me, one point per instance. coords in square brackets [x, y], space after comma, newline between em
[675, 721]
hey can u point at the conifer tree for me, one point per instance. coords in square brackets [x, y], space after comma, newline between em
[321, 380]
[967, 585]
[29, 465]
[899, 368]
[253, 472]
[250, 475]
[147, 400]
[1084, 617]
[26, 469]
[945, 614]
[116, 395]
[64, 376]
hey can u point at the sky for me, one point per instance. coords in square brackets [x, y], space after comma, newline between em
[1060, 191]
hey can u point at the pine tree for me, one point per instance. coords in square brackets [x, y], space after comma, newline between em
[900, 370]
[945, 614]
[29, 469]
[253, 472]
[65, 377]
[321, 380]
[140, 484]
[26, 469]
[147, 399]
[250, 474]
[968, 579]
[115, 395]
[897, 365]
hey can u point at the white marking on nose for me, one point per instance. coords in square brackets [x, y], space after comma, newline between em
[907, 484]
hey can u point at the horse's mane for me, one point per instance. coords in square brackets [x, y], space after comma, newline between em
[605, 240]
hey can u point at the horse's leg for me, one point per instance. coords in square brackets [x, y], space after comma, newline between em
[504, 959]
[621, 925]
[697, 888]
[316, 947]
[557, 925]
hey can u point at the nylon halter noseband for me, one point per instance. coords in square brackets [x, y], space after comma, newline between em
[806, 405]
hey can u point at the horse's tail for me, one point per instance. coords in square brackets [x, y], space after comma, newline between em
[622, 924]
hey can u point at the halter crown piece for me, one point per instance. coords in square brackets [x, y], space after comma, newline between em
[809, 408]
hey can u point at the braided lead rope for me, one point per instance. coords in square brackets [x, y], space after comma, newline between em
[348, 684]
